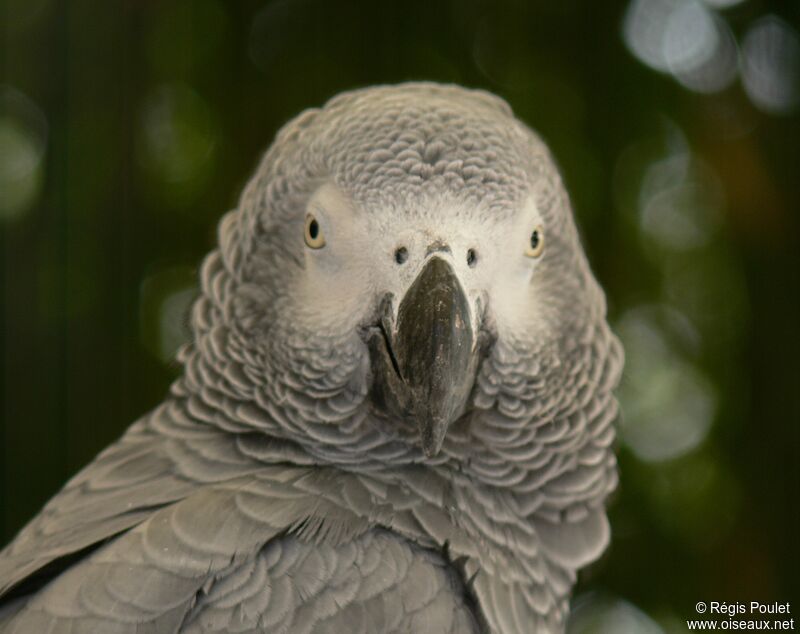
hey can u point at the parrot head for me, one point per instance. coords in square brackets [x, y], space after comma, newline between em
[397, 251]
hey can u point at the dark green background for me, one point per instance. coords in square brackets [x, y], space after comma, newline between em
[150, 116]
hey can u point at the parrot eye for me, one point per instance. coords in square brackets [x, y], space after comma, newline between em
[313, 234]
[536, 244]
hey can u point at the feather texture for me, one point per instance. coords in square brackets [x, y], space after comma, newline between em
[268, 493]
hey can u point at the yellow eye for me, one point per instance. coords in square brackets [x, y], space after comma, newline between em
[313, 233]
[535, 243]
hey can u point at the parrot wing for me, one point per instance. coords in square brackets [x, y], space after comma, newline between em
[286, 549]
[162, 458]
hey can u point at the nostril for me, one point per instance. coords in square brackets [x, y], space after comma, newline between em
[401, 255]
[472, 258]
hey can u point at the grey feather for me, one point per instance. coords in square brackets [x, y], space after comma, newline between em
[275, 490]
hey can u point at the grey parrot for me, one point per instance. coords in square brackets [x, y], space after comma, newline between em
[395, 413]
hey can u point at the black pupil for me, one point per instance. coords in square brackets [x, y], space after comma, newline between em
[471, 257]
[313, 229]
[401, 255]
[535, 239]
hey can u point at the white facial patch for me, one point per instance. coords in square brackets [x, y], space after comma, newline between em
[512, 301]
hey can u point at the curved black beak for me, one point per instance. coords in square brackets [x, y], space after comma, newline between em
[424, 367]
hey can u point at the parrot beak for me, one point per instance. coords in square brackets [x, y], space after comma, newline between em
[429, 359]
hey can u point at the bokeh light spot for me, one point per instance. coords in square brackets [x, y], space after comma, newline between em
[595, 614]
[723, 4]
[771, 65]
[667, 403]
[675, 198]
[679, 202]
[719, 67]
[683, 38]
[177, 141]
[689, 37]
[23, 138]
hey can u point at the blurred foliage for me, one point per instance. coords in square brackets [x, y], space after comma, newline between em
[128, 128]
